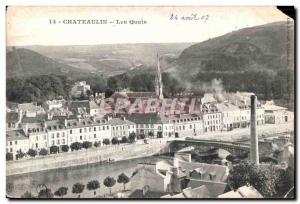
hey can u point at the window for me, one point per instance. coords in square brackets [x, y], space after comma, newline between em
[90, 129]
[16, 142]
[94, 128]
[52, 136]
[45, 137]
[57, 135]
[80, 130]
[104, 128]
[70, 131]
[36, 145]
[11, 150]
[63, 141]
[58, 142]
[107, 127]
[10, 143]
[63, 134]
[95, 136]
[80, 137]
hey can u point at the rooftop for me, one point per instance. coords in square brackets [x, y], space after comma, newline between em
[242, 192]
[15, 135]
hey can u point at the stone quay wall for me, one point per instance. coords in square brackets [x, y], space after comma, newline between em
[89, 156]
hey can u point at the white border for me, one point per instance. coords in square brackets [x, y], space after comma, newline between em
[107, 2]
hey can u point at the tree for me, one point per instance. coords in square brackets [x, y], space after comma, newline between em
[45, 193]
[9, 156]
[54, 149]
[151, 134]
[65, 148]
[32, 152]
[141, 136]
[106, 141]
[20, 154]
[27, 194]
[43, 152]
[87, 144]
[61, 192]
[77, 189]
[93, 186]
[132, 137]
[109, 182]
[115, 141]
[124, 139]
[122, 178]
[76, 146]
[263, 178]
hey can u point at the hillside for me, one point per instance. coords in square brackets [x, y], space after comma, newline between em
[24, 62]
[113, 59]
[255, 48]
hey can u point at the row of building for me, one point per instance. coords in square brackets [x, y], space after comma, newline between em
[59, 122]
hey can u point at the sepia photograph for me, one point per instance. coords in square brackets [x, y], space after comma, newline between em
[150, 102]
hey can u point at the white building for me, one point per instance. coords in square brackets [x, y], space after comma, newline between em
[212, 118]
[88, 129]
[276, 114]
[16, 140]
[80, 88]
[121, 127]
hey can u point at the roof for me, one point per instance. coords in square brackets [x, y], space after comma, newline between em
[12, 117]
[138, 193]
[242, 192]
[227, 107]
[37, 118]
[119, 121]
[214, 188]
[77, 105]
[15, 135]
[29, 107]
[199, 192]
[274, 107]
[220, 171]
[85, 122]
[149, 118]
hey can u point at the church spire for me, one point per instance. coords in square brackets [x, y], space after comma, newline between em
[158, 81]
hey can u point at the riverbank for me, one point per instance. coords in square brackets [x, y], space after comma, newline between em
[89, 156]
[127, 151]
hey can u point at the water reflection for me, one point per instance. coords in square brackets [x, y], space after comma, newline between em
[19, 184]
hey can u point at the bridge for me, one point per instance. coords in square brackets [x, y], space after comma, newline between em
[234, 148]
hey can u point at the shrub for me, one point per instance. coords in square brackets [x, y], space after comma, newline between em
[76, 146]
[115, 140]
[87, 144]
[106, 141]
[124, 139]
[97, 144]
[132, 137]
[65, 148]
[32, 152]
[54, 149]
[43, 152]
[20, 154]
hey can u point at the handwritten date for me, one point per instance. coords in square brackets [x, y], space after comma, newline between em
[190, 17]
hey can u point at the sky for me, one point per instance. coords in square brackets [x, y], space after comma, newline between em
[31, 25]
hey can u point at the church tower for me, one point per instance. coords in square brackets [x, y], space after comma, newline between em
[158, 81]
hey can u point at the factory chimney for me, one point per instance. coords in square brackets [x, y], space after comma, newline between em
[254, 155]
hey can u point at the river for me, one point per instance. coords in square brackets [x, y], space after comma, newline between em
[17, 185]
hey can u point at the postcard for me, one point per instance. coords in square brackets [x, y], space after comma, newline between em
[150, 102]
